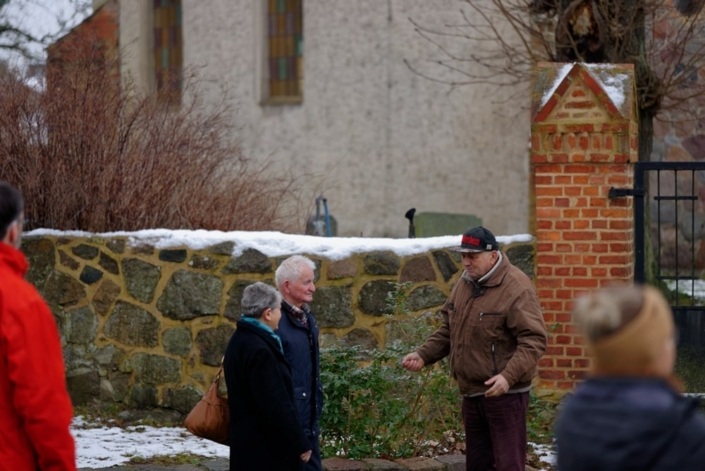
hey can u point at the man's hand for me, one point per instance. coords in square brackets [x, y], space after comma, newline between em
[412, 362]
[498, 385]
[306, 456]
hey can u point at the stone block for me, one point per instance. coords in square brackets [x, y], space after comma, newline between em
[84, 251]
[81, 326]
[41, 258]
[84, 387]
[142, 249]
[421, 464]
[416, 270]
[141, 278]
[90, 275]
[224, 248]
[233, 308]
[201, 262]
[425, 297]
[251, 261]
[132, 325]
[341, 269]
[67, 261]
[372, 299]
[454, 462]
[361, 337]
[340, 464]
[155, 369]
[375, 464]
[108, 263]
[213, 342]
[143, 396]
[105, 296]
[522, 257]
[332, 306]
[182, 399]
[381, 263]
[177, 341]
[445, 264]
[116, 245]
[220, 464]
[63, 290]
[173, 255]
[188, 295]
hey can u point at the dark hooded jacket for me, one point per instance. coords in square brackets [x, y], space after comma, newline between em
[265, 431]
[623, 424]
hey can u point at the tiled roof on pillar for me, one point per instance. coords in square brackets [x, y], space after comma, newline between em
[611, 87]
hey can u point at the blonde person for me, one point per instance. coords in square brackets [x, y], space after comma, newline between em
[265, 430]
[630, 414]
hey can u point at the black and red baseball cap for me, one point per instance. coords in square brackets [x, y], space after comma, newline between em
[477, 239]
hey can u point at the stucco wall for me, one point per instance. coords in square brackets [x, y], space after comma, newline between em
[148, 326]
[378, 137]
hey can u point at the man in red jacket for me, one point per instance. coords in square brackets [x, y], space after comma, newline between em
[35, 408]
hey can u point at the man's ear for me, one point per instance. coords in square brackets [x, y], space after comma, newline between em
[13, 234]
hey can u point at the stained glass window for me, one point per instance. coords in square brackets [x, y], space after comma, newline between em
[168, 49]
[286, 55]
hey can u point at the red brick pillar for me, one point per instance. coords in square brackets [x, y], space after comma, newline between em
[583, 141]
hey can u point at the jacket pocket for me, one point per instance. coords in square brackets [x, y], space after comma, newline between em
[303, 403]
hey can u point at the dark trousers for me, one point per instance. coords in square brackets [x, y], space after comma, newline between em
[495, 432]
[314, 463]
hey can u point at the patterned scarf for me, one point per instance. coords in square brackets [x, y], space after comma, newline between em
[301, 315]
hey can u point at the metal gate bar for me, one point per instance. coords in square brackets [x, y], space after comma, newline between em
[639, 192]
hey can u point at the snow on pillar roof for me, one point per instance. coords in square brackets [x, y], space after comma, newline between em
[611, 85]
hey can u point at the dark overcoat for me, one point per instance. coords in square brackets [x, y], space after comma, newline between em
[621, 424]
[265, 429]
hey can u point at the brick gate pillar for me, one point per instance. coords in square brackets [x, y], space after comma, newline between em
[583, 141]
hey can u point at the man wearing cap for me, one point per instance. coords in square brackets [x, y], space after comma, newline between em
[494, 335]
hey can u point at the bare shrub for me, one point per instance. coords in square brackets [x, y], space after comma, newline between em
[91, 155]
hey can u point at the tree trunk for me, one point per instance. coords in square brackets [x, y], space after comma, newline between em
[618, 28]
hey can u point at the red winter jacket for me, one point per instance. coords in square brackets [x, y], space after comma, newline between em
[35, 408]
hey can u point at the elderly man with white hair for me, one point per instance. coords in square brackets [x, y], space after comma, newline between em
[299, 334]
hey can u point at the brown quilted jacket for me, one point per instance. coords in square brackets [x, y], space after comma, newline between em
[495, 328]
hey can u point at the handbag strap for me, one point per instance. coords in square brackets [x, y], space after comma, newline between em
[220, 371]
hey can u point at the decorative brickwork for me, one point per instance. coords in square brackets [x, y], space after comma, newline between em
[583, 141]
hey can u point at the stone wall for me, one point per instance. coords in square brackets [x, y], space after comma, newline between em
[148, 326]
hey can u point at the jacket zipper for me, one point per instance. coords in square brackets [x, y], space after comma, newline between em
[494, 362]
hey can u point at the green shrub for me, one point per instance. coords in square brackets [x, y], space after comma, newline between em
[373, 406]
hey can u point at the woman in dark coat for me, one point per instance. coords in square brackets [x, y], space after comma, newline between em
[630, 414]
[265, 430]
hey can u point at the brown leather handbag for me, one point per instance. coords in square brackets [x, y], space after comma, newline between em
[210, 418]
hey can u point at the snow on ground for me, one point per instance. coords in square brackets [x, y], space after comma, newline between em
[278, 244]
[546, 453]
[99, 446]
[694, 288]
[103, 446]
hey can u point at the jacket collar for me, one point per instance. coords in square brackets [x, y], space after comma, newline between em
[495, 276]
[14, 259]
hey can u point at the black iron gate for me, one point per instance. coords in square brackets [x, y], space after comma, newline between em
[669, 213]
